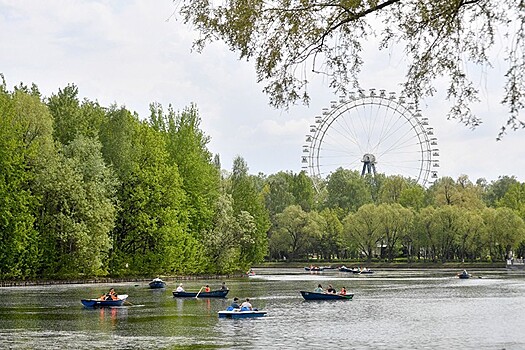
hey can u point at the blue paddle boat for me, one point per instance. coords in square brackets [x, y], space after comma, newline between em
[241, 313]
[92, 303]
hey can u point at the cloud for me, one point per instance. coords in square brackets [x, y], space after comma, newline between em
[134, 52]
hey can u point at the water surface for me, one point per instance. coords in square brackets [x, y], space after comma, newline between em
[392, 309]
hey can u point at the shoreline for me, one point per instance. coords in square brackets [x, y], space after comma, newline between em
[109, 280]
[266, 265]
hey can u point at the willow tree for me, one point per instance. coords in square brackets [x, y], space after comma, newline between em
[442, 39]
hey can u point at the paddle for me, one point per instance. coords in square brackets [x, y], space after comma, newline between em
[128, 303]
[199, 292]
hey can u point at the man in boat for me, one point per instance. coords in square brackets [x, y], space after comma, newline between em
[235, 303]
[179, 288]
[111, 295]
[330, 289]
[246, 305]
[319, 289]
[343, 291]
[223, 286]
[207, 289]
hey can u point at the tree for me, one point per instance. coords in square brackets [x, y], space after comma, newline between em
[364, 228]
[347, 190]
[497, 189]
[246, 197]
[224, 240]
[514, 198]
[278, 193]
[330, 243]
[462, 192]
[77, 211]
[71, 117]
[187, 148]
[151, 234]
[441, 38]
[292, 235]
[395, 224]
[469, 240]
[25, 135]
[303, 190]
[505, 231]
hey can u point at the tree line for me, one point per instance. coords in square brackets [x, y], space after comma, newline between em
[391, 217]
[88, 190]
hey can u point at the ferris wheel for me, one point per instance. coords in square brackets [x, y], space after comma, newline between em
[372, 133]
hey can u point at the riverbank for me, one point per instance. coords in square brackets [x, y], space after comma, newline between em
[109, 280]
[268, 265]
[390, 265]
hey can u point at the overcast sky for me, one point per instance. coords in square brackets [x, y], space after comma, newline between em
[134, 52]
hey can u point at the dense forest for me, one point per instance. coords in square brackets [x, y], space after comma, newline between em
[88, 190]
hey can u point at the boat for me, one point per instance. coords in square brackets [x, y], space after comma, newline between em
[347, 269]
[464, 274]
[515, 264]
[314, 268]
[92, 303]
[325, 296]
[157, 283]
[212, 294]
[239, 313]
[365, 271]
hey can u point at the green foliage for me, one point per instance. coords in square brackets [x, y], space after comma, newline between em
[18, 144]
[347, 190]
[364, 228]
[71, 118]
[186, 144]
[77, 210]
[152, 216]
[293, 234]
[247, 198]
[497, 189]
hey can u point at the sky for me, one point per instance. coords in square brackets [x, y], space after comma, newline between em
[136, 52]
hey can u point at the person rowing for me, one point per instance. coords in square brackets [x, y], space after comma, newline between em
[319, 289]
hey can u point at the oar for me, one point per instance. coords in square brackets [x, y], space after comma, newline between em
[128, 303]
[199, 292]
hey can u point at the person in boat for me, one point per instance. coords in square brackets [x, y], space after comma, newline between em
[235, 303]
[343, 291]
[111, 295]
[330, 289]
[179, 288]
[319, 289]
[207, 289]
[246, 305]
[223, 286]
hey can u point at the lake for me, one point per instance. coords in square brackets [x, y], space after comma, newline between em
[391, 309]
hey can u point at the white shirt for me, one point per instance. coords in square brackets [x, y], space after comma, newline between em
[246, 304]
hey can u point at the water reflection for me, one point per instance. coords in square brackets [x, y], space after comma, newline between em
[110, 316]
